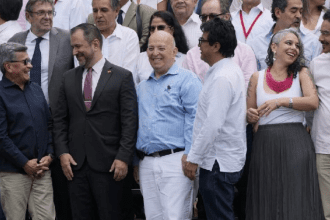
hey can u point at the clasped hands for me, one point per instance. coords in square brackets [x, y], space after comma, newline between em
[253, 114]
[119, 167]
[35, 169]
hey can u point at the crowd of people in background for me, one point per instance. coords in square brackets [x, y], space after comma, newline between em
[214, 109]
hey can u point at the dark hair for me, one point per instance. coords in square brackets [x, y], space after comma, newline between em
[223, 32]
[91, 32]
[326, 16]
[224, 5]
[178, 34]
[31, 3]
[8, 53]
[9, 9]
[281, 4]
[299, 63]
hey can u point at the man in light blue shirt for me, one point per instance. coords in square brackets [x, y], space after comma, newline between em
[167, 103]
[286, 14]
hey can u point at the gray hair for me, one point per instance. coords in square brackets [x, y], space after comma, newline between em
[224, 5]
[8, 53]
[29, 6]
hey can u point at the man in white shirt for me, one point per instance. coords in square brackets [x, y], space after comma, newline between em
[286, 14]
[251, 20]
[219, 135]
[120, 44]
[9, 12]
[321, 125]
[184, 12]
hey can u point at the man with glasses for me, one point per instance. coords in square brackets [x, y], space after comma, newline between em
[51, 54]
[26, 142]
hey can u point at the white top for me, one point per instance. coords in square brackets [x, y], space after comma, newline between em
[144, 69]
[122, 48]
[282, 114]
[151, 3]
[44, 49]
[327, 4]
[262, 25]
[96, 74]
[88, 6]
[192, 30]
[8, 29]
[317, 30]
[236, 5]
[220, 125]
[320, 132]
[69, 13]
[21, 19]
[125, 9]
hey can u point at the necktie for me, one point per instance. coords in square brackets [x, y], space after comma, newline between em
[35, 73]
[120, 17]
[88, 90]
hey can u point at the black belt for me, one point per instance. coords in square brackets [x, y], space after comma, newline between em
[162, 153]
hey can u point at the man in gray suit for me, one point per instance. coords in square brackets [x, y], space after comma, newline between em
[51, 54]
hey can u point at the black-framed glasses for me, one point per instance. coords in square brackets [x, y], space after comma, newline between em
[43, 13]
[159, 27]
[201, 40]
[25, 62]
[210, 16]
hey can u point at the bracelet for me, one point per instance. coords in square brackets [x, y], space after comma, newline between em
[290, 103]
[276, 103]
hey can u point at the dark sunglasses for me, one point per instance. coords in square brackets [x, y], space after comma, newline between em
[210, 16]
[25, 62]
[201, 40]
[159, 27]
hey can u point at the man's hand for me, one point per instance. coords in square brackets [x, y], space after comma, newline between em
[120, 169]
[190, 170]
[43, 166]
[136, 174]
[66, 161]
[184, 161]
[31, 167]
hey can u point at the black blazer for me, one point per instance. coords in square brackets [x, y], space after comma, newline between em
[108, 131]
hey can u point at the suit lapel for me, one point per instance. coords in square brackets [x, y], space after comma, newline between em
[54, 42]
[130, 14]
[78, 85]
[105, 76]
[22, 40]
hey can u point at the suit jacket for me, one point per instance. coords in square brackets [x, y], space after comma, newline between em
[60, 58]
[130, 19]
[108, 130]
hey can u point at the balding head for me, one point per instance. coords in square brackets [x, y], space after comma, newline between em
[161, 52]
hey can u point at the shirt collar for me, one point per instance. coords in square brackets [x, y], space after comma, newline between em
[260, 7]
[193, 18]
[172, 71]
[98, 67]
[126, 6]
[270, 33]
[7, 83]
[116, 33]
[31, 37]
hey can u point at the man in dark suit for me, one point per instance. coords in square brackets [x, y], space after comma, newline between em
[55, 58]
[95, 126]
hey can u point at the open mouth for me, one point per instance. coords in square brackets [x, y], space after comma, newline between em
[291, 54]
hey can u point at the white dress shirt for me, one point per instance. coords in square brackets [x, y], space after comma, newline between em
[317, 30]
[220, 126]
[262, 25]
[8, 29]
[151, 3]
[69, 13]
[122, 48]
[236, 4]
[327, 4]
[320, 132]
[144, 69]
[96, 74]
[192, 30]
[125, 9]
[22, 19]
[44, 49]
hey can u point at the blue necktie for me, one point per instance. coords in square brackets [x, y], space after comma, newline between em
[120, 17]
[35, 73]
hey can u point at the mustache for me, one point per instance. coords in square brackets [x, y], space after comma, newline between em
[324, 42]
[297, 20]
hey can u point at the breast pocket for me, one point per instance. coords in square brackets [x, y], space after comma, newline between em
[169, 97]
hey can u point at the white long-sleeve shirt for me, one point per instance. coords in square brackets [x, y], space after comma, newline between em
[220, 125]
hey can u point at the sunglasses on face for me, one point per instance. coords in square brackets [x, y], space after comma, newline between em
[25, 62]
[159, 28]
[210, 16]
[201, 40]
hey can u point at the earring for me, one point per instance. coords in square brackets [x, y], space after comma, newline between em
[274, 58]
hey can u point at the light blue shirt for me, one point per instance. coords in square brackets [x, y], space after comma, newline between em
[312, 47]
[167, 108]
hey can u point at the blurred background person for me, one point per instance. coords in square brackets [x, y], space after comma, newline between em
[159, 5]
[312, 16]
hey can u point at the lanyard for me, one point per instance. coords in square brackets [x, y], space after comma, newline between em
[253, 23]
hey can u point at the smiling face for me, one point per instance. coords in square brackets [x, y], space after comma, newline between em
[17, 71]
[325, 36]
[82, 49]
[183, 8]
[161, 52]
[287, 50]
[104, 16]
[40, 24]
[292, 14]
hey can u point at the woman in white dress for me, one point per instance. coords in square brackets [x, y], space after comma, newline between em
[161, 20]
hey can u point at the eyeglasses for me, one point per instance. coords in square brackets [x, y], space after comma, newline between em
[159, 27]
[210, 16]
[43, 13]
[201, 40]
[25, 62]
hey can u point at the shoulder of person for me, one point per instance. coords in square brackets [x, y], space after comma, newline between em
[146, 9]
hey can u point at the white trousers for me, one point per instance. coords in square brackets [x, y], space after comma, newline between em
[20, 191]
[167, 193]
[323, 170]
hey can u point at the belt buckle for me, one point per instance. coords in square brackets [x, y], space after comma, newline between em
[156, 154]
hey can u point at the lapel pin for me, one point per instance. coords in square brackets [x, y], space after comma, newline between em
[109, 71]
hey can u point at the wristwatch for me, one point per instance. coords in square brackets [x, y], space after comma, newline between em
[290, 103]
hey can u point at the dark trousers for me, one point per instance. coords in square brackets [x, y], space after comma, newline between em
[217, 189]
[95, 195]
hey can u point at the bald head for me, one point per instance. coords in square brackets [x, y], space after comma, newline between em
[161, 52]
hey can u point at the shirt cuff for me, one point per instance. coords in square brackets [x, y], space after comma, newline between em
[194, 158]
